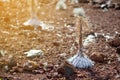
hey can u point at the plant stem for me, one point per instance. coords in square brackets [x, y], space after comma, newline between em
[33, 10]
[80, 45]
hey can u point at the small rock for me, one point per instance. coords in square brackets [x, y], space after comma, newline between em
[97, 57]
[34, 53]
[108, 37]
[99, 35]
[66, 69]
[114, 42]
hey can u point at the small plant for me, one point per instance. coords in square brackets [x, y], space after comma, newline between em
[61, 5]
[80, 60]
[79, 12]
[34, 21]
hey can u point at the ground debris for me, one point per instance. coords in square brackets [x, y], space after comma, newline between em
[30, 65]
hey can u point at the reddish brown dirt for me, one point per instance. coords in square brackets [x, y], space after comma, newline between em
[17, 39]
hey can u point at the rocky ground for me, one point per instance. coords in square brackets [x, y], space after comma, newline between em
[16, 39]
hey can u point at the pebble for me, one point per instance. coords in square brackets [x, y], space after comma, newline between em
[114, 42]
[97, 56]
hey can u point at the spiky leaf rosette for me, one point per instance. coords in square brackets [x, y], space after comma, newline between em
[80, 61]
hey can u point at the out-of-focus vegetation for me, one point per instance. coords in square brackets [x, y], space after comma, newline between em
[15, 12]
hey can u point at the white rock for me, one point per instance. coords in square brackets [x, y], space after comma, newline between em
[90, 39]
[33, 53]
[108, 37]
[103, 5]
[97, 35]
[79, 12]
